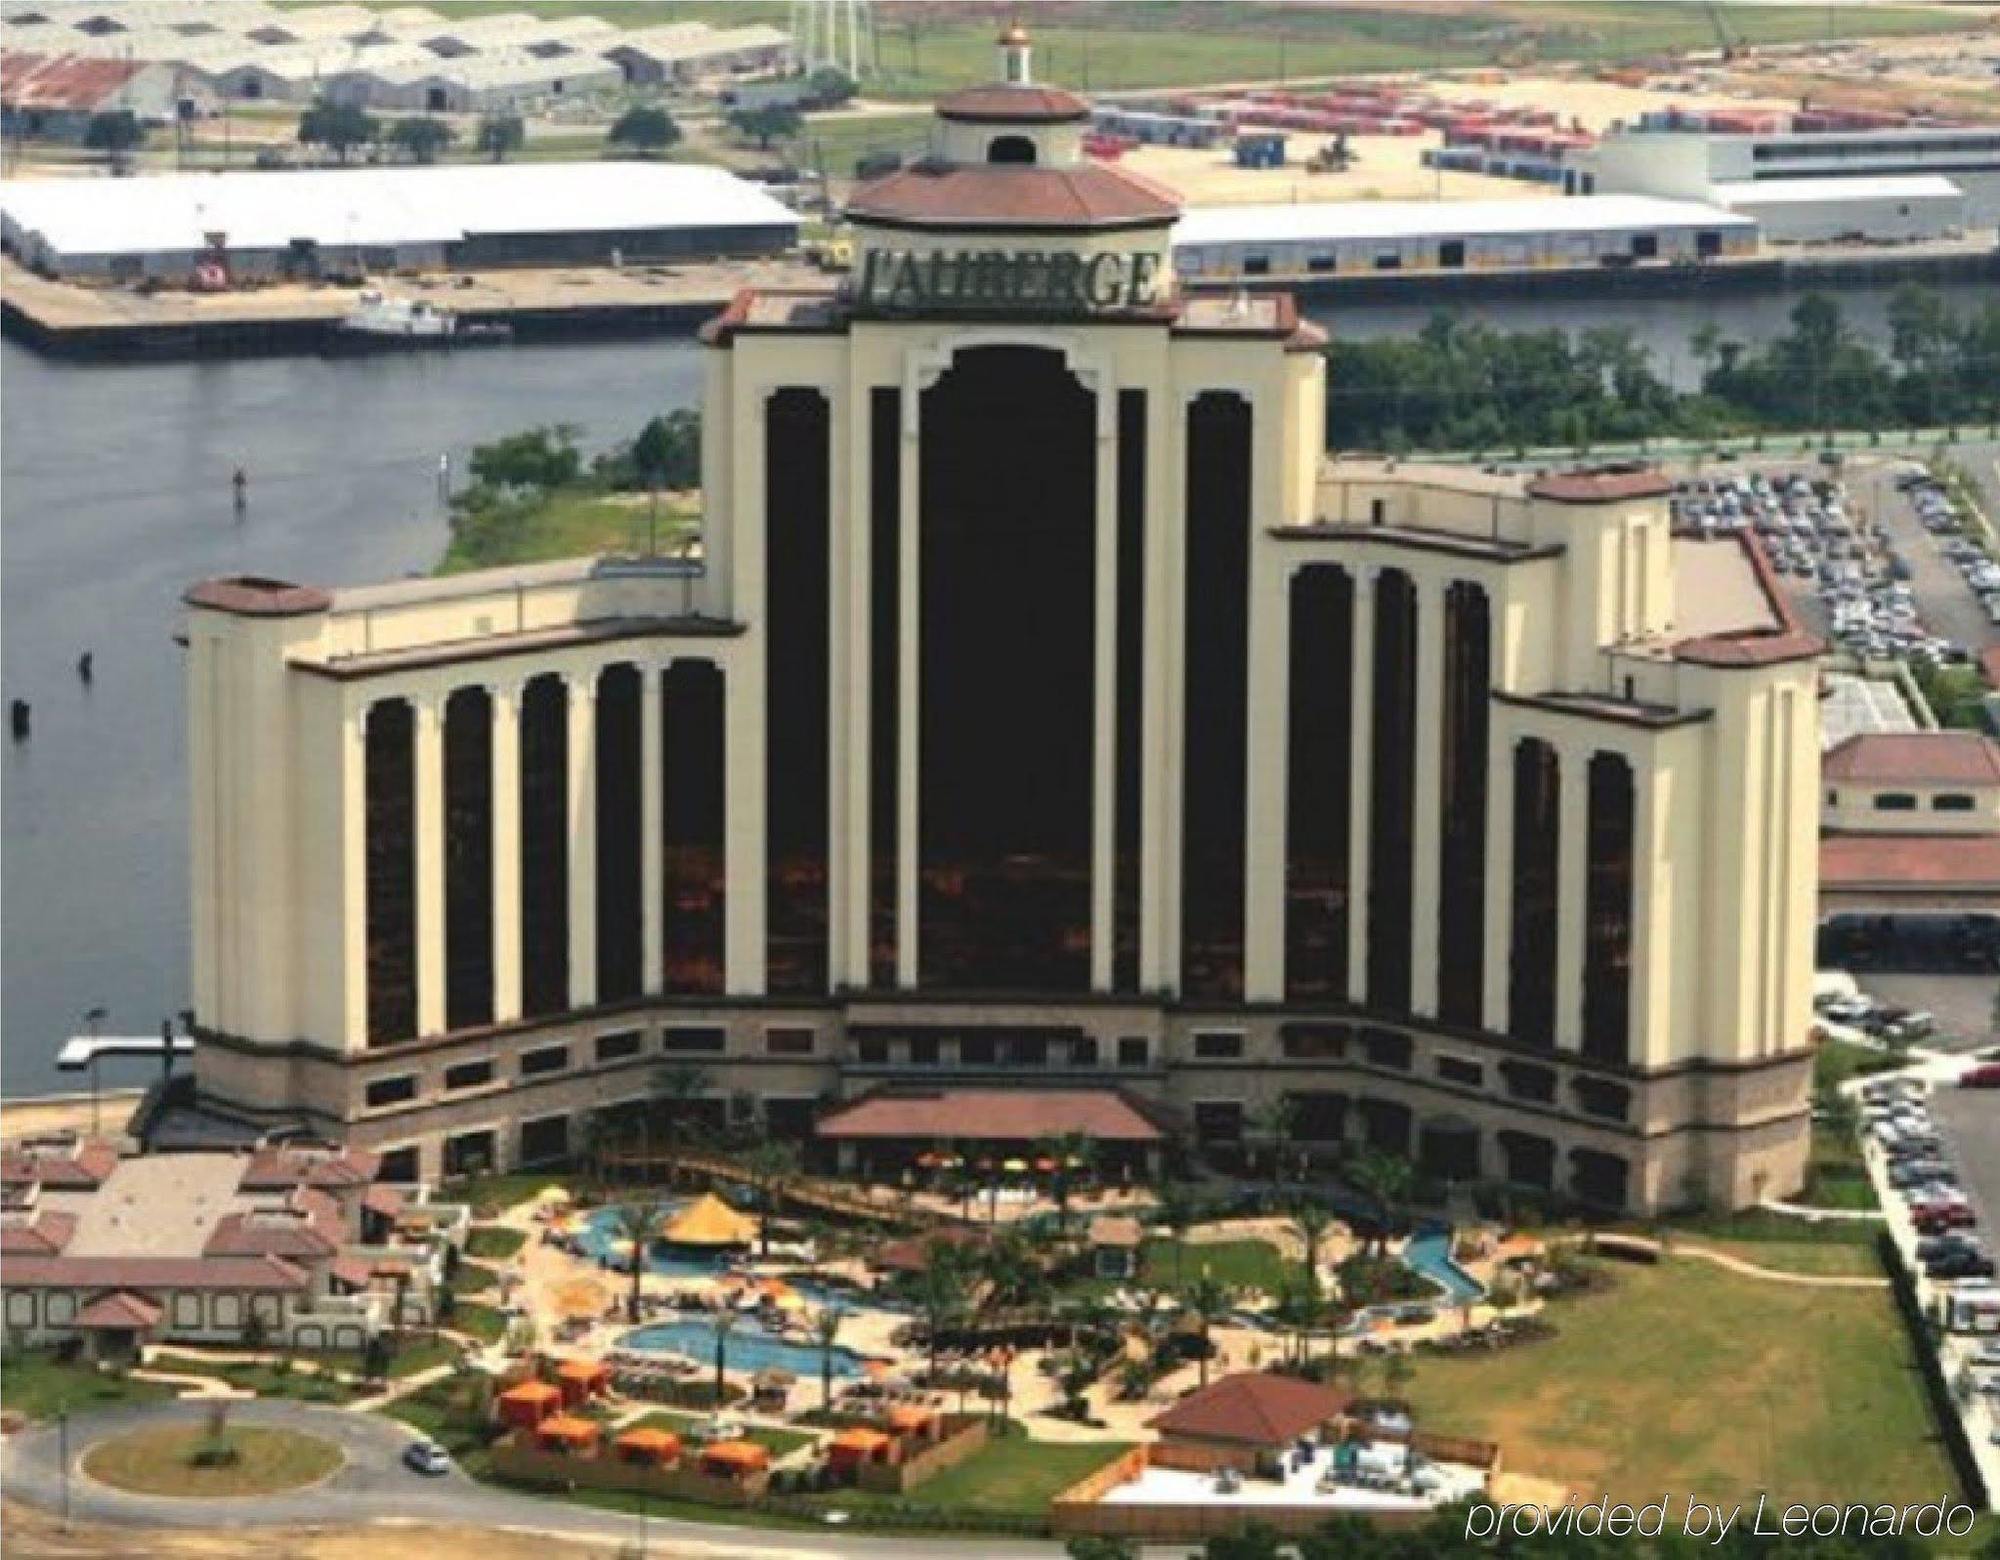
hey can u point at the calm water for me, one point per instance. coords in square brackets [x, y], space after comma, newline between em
[114, 496]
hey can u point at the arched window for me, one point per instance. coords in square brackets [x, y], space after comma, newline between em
[1010, 149]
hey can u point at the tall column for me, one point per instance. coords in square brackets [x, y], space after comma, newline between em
[1425, 835]
[354, 876]
[743, 823]
[652, 831]
[1361, 747]
[429, 832]
[1573, 876]
[1160, 766]
[1264, 791]
[907, 692]
[1652, 917]
[506, 760]
[582, 788]
[1499, 874]
[1104, 702]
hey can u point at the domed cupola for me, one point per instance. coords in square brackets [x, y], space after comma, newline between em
[1008, 182]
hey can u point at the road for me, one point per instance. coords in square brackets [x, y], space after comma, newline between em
[374, 1487]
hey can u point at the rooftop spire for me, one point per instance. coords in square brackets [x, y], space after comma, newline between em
[1015, 51]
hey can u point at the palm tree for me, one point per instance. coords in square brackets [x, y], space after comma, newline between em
[635, 1222]
[942, 1295]
[1205, 1298]
[826, 1332]
[722, 1323]
[1073, 1153]
[1385, 1180]
[1177, 1213]
[1292, 1313]
[1274, 1124]
[773, 1166]
[1310, 1223]
[1397, 1373]
[676, 1085]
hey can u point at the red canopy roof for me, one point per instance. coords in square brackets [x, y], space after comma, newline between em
[120, 1308]
[993, 1115]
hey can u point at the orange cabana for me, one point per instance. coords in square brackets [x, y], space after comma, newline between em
[661, 1448]
[858, 1445]
[566, 1433]
[909, 1419]
[581, 1380]
[734, 1459]
[527, 1405]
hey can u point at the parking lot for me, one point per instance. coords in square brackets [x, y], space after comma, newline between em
[1961, 1007]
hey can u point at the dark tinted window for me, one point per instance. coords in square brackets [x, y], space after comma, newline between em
[549, 1059]
[392, 1091]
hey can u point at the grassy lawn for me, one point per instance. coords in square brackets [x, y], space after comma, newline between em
[1239, 1263]
[446, 1412]
[471, 1278]
[1844, 1259]
[925, 50]
[1010, 1475]
[564, 525]
[1836, 1061]
[416, 1354]
[836, 144]
[35, 1384]
[161, 1461]
[297, 1385]
[493, 1243]
[779, 1443]
[489, 1195]
[486, 1323]
[1760, 1226]
[1689, 1378]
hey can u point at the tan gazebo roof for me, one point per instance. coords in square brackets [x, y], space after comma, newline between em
[709, 1221]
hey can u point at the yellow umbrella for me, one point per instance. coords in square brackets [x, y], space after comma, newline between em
[1014, 1166]
[709, 1221]
[790, 1300]
[553, 1194]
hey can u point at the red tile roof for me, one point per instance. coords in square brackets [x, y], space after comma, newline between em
[71, 1165]
[1255, 1409]
[249, 596]
[383, 1200]
[41, 1236]
[287, 1165]
[992, 1115]
[268, 1232]
[1000, 103]
[259, 1274]
[1915, 758]
[1604, 485]
[120, 1308]
[959, 197]
[73, 82]
[1909, 861]
[1754, 648]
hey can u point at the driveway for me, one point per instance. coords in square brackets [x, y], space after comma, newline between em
[373, 1486]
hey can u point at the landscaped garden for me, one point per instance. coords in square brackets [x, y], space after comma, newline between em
[493, 1243]
[210, 1460]
[779, 1443]
[37, 1385]
[1690, 1378]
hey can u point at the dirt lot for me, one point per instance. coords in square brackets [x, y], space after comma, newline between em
[25, 1118]
[37, 1534]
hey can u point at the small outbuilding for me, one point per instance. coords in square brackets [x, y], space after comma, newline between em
[525, 1406]
[735, 1459]
[581, 1380]
[567, 1433]
[1115, 1240]
[649, 1446]
[1242, 1419]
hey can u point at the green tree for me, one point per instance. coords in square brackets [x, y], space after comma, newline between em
[772, 122]
[826, 1333]
[117, 133]
[941, 1295]
[1206, 1299]
[501, 135]
[339, 127]
[721, 1323]
[647, 131]
[637, 1221]
[537, 458]
[1178, 1212]
[1385, 1180]
[773, 1166]
[1310, 1222]
[829, 87]
[667, 452]
[421, 139]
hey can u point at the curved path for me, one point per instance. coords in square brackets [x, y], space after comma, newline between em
[1723, 1259]
[373, 1486]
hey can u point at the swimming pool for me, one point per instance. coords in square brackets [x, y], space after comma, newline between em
[746, 1348]
[600, 1230]
[1429, 1253]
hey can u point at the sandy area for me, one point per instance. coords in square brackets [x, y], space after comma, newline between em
[1385, 167]
[26, 1118]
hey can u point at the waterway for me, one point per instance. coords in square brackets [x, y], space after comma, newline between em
[115, 495]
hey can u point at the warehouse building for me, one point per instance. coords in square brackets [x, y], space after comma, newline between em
[1226, 243]
[341, 221]
[1045, 714]
[1884, 184]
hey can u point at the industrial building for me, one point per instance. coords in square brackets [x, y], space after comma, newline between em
[54, 97]
[1891, 184]
[1046, 727]
[408, 57]
[1329, 238]
[344, 221]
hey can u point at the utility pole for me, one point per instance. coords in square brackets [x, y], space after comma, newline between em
[62, 1451]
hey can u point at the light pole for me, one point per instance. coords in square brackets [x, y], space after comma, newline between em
[62, 1434]
[91, 1020]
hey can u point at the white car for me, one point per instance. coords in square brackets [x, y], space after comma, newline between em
[427, 1458]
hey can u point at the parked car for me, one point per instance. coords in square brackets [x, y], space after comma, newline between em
[1985, 1076]
[1960, 1264]
[427, 1458]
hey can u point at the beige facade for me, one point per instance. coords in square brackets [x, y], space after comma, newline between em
[1657, 674]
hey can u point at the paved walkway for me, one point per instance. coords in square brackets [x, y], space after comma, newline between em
[1821, 1215]
[1735, 1264]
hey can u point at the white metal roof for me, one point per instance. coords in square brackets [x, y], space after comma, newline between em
[1328, 221]
[1835, 190]
[379, 206]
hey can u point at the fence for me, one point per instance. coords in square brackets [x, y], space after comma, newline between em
[525, 1463]
[964, 1434]
[1944, 1408]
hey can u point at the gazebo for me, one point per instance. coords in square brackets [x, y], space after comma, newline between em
[709, 1221]
[655, 1447]
[567, 1433]
[734, 1459]
[525, 1406]
[857, 1445]
[581, 1380]
[910, 1420]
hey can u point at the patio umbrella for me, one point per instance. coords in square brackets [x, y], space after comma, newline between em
[790, 1300]
[550, 1195]
[1014, 1166]
[1045, 1165]
[877, 1369]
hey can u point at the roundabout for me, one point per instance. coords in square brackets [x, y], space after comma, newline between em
[194, 1462]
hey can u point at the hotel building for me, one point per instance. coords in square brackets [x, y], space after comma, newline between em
[1045, 711]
